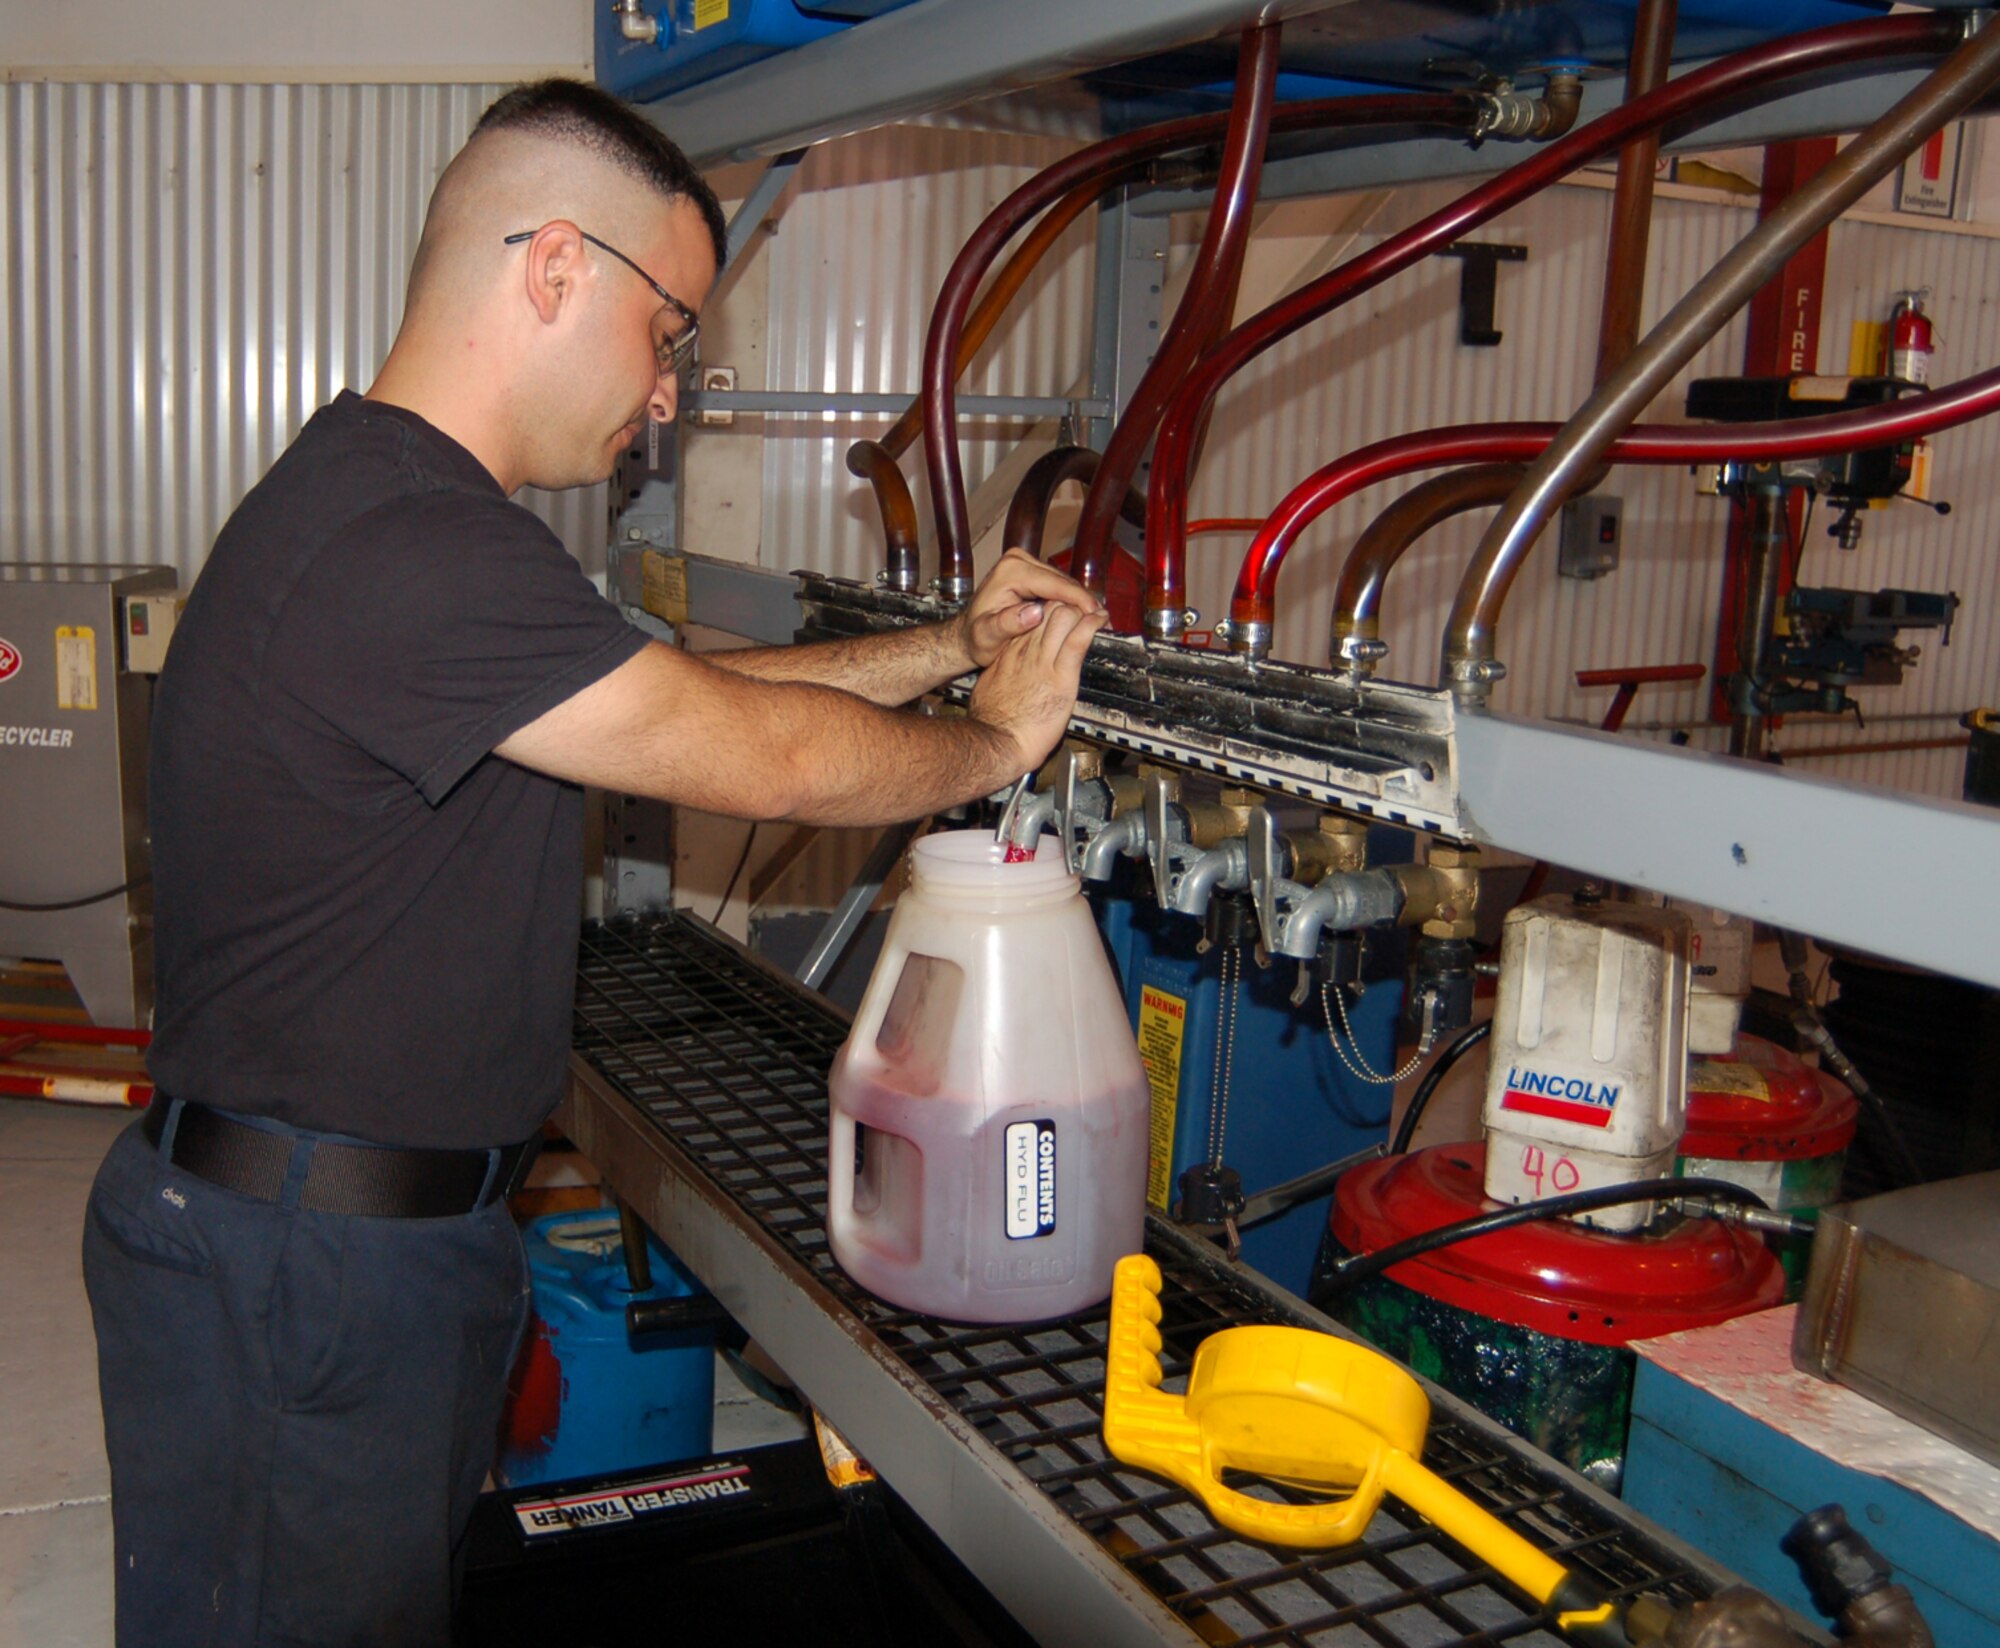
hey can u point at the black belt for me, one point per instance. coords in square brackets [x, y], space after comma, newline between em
[333, 1176]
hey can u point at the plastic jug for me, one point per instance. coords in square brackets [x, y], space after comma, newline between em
[988, 1153]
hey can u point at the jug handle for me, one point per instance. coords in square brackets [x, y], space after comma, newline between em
[840, 1172]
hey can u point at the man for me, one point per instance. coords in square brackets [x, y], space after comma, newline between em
[367, 827]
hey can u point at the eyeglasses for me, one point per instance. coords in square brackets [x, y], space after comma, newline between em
[675, 344]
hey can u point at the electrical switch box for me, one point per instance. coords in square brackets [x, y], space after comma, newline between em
[1591, 527]
[147, 625]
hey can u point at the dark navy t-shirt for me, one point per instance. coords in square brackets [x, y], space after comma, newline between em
[367, 922]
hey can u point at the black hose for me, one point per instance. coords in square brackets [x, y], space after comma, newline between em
[1406, 1129]
[1361, 1266]
[1813, 1031]
[73, 903]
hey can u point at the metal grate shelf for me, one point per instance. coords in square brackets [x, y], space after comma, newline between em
[727, 1061]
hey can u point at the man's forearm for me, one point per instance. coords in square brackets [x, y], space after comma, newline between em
[876, 766]
[889, 668]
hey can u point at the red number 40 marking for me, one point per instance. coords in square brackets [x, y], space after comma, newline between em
[1561, 1175]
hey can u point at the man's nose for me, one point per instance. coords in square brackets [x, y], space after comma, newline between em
[666, 397]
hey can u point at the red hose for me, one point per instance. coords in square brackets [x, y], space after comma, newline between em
[1203, 316]
[1252, 604]
[941, 343]
[1759, 72]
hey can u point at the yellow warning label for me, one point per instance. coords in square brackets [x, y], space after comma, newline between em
[663, 586]
[1744, 1081]
[1162, 1029]
[710, 12]
[76, 667]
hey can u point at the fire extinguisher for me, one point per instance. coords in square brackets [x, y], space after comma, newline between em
[1911, 337]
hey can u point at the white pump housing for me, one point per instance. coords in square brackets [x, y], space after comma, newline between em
[1588, 1083]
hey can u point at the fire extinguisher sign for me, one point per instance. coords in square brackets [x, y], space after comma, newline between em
[1927, 184]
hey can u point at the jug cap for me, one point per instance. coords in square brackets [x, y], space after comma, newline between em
[971, 862]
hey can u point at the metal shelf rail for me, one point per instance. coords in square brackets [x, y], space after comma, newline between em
[699, 1087]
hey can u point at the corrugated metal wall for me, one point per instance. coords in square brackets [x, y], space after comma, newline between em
[186, 272]
[858, 260]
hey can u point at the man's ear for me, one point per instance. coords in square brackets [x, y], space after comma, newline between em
[555, 257]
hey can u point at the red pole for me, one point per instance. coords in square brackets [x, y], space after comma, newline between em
[1783, 342]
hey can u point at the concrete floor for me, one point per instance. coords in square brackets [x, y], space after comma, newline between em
[55, 1500]
[55, 1489]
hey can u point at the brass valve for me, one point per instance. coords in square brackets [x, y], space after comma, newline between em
[1337, 845]
[1456, 873]
[1209, 823]
[1088, 758]
[1443, 893]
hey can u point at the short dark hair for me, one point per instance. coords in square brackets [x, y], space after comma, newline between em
[592, 118]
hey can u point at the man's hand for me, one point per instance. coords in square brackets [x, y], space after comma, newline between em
[1029, 689]
[1012, 599]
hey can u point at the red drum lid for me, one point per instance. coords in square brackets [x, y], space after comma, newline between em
[1553, 1276]
[1763, 1103]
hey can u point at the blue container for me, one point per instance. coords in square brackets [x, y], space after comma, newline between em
[699, 40]
[1294, 1106]
[587, 1398]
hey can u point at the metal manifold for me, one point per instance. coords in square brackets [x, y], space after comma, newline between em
[699, 1087]
[1374, 747]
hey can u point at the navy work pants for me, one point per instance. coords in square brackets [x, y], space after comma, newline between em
[299, 1407]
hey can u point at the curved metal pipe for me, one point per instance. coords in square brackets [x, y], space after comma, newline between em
[1469, 665]
[1357, 599]
[1904, 420]
[1028, 509]
[1342, 901]
[1560, 103]
[1389, 536]
[1646, 69]
[1226, 867]
[875, 464]
[1758, 73]
[942, 343]
[1123, 837]
[1204, 307]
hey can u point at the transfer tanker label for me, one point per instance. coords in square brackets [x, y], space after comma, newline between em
[1162, 1030]
[631, 1501]
[1031, 1179]
[1533, 1092]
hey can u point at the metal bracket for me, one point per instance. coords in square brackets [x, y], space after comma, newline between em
[1479, 286]
[1126, 308]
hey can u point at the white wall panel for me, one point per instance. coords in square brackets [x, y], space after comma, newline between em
[186, 272]
[253, 40]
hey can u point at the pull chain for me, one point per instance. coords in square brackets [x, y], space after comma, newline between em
[1336, 1000]
[1225, 1056]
